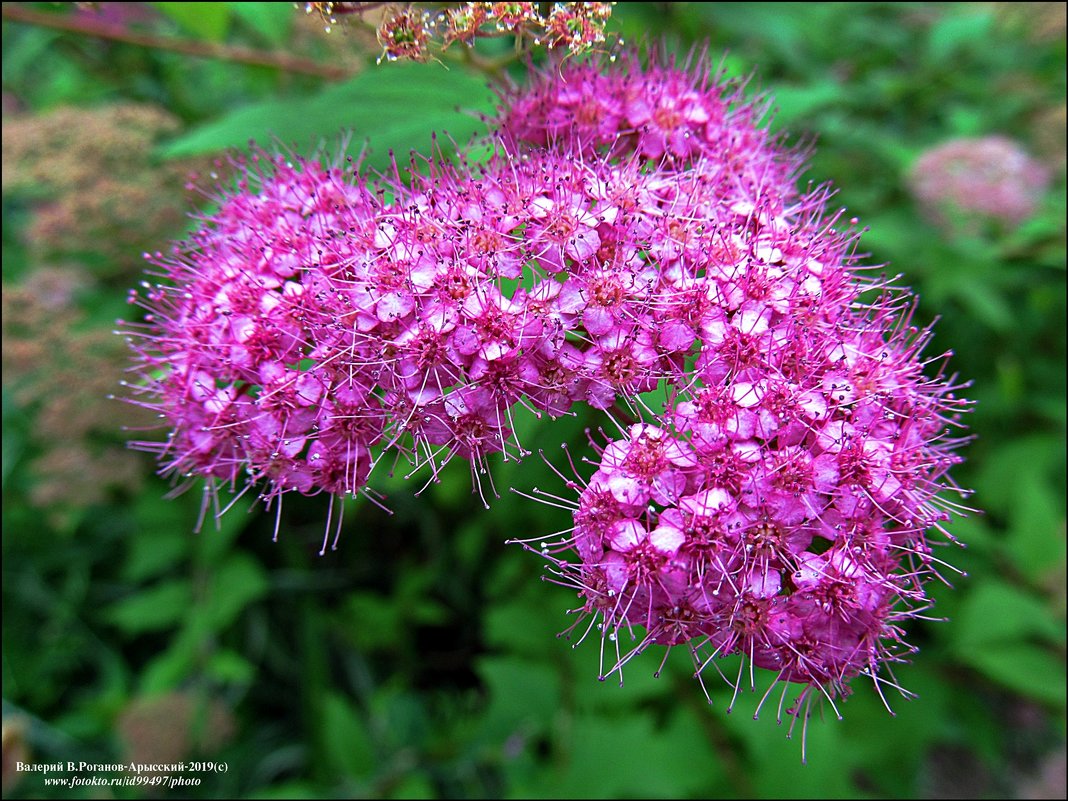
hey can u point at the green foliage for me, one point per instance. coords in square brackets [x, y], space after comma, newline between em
[420, 659]
[272, 21]
[395, 106]
[207, 21]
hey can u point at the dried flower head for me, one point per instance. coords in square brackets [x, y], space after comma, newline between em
[404, 34]
[576, 26]
[463, 22]
[408, 32]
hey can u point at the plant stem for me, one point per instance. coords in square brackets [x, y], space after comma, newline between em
[85, 26]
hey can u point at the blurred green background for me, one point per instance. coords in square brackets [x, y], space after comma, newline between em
[420, 659]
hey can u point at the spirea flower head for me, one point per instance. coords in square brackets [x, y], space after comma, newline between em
[778, 506]
[666, 113]
[310, 325]
[635, 229]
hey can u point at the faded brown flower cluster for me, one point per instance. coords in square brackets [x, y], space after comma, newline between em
[95, 191]
[61, 371]
[169, 728]
[96, 199]
[1042, 22]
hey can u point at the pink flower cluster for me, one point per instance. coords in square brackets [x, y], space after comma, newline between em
[309, 321]
[778, 506]
[666, 114]
[637, 229]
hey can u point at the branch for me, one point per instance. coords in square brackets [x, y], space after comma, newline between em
[84, 26]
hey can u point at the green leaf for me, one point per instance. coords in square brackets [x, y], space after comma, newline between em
[525, 624]
[11, 448]
[786, 776]
[956, 31]
[349, 744]
[413, 786]
[377, 623]
[637, 687]
[645, 760]
[1036, 538]
[891, 234]
[1016, 463]
[892, 749]
[524, 695]
[208, 21]
[175, 665]
[234, 586]
[23, 55]
[988, 306]
[998, 612]
[1027, 669]
[966, 121]
[452, 490]
[217, 536]
[230, 667]
[395, 106]
[152, 609]
[153, 553]
[272, 21]
[795, 102]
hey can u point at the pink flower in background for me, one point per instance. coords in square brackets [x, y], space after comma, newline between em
[989, 177]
